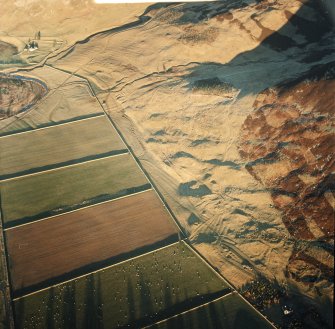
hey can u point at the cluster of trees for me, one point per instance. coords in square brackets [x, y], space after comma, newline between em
[32, 44]
[38, 35]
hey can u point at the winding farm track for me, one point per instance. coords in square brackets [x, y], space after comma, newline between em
[143, 20]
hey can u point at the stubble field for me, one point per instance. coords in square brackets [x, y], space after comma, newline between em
[47, 148]
[87, 239]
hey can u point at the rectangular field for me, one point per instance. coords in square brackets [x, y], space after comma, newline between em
[85, 240]
[59, 145]
[229, 312]
[28, 198]
[137, 292]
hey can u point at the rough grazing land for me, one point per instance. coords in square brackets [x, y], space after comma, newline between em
[69, 98]
[42, 149]
[288, 142]
[136, 292]
[31, 197]
[87, 238]
[230, 312]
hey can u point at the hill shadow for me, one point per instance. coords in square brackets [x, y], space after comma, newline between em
[302, 43]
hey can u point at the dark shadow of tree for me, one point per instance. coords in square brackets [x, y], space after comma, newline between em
[131, 302]
[146, 304]
[91, 313]
[245, 319]
[69, 306]
[50, 314]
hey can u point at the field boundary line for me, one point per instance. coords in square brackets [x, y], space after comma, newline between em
[52, 126]
[131, 152]
[191, 309]
[188, 245]
[78, 209]
[200, 256]
[6, 290]
[143, 170]
[96, 271]
[64, 167]
[161, 197]
[185, 240]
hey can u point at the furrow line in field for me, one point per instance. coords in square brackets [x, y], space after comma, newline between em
[190, 310]
[126, 152]
[78, 209]
[52, 126]
[96, 271]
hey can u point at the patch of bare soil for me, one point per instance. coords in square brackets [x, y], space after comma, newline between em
[18, 95]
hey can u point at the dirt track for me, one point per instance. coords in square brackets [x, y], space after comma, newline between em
[62, 244]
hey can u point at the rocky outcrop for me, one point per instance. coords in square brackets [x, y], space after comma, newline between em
[288, 144]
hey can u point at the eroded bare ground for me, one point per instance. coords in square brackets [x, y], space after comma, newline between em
[208, 93]
[18, 95]
[288, 145]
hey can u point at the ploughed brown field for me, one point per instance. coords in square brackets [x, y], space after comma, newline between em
[51, 248]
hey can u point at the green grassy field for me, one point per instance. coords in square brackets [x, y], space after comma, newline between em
[230, 312]
[59, 144]
[3, 316]
[136, 292]
[40, 195]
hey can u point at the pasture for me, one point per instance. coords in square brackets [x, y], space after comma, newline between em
[87, 239]
[137, 292]
[28, 198]
[47, 148]
[229, 312]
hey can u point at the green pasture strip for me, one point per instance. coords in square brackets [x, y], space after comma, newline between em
[49, 193]
[229, 312]
[137, 292]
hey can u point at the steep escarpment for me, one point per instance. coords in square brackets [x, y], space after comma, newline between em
[288, 143]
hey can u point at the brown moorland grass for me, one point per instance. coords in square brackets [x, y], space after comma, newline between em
[51, 248]
[56, 145]
[41, 195]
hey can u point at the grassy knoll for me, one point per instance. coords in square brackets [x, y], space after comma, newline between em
[230, 312]
[36, 196]
[134, 293]
[41, 149]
